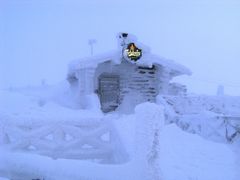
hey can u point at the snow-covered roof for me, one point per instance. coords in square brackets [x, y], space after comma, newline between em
[147, 59]
[93, 61]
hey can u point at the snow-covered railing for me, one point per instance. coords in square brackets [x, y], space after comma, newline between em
[211, 126]
[232, 124]
[194, 104]
[93, 139]
[213, 117]
[143, 164]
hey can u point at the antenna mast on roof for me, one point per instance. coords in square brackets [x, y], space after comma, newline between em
[122, 41]
[91, 42]
[123, 36]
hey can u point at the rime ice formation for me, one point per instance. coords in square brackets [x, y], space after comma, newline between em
[114, 78]
[154, 129]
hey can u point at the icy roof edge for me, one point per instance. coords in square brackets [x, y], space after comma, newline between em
[171, 64]
[147, 59]
[93, 61]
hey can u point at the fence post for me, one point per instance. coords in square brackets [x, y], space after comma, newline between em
[149, 122]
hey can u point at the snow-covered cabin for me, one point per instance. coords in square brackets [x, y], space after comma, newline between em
[129, 75]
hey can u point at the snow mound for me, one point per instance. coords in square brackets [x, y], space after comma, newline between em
[27, 106]
[187, 156]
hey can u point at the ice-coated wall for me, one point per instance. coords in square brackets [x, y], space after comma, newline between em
[136, 84]
[140, 84]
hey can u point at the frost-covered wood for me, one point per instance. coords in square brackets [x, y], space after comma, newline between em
[150, 118]
[140, 84]
[66, 140]
[141, 80]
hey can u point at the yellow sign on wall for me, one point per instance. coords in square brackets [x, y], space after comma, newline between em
[132, 52]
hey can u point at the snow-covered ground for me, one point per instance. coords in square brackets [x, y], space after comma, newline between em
[182, 156]
[152, 150]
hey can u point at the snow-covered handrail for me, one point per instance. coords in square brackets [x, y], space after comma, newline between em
[225, 105]
[232, 125]
[210, 116]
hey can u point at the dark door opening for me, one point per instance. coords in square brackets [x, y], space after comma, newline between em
[109, 91]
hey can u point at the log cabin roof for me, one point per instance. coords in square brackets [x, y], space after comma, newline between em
[148, 59]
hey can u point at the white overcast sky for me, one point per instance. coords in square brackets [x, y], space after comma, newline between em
[38, 38]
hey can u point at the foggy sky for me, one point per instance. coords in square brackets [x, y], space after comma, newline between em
[39, 38]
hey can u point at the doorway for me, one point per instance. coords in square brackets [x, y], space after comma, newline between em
[109, 91]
